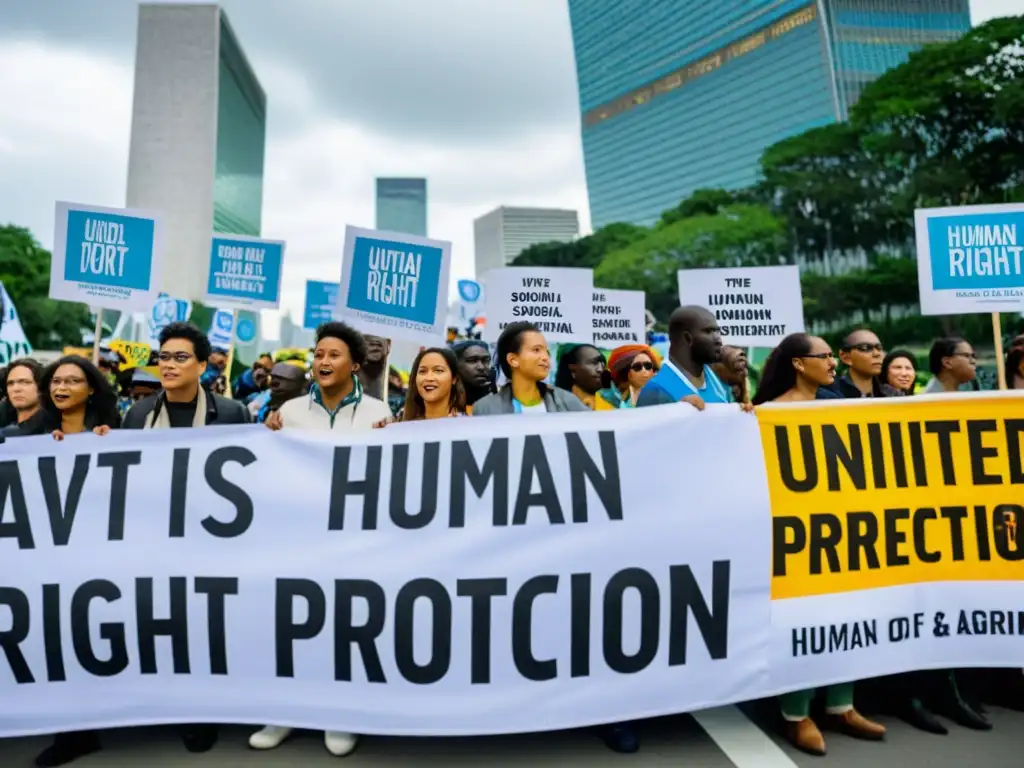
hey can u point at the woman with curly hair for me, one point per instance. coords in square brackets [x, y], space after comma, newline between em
[78, 398]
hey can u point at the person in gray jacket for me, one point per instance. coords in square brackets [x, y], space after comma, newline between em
[524, 359]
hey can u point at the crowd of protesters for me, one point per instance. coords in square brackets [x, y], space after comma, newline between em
[348, 386]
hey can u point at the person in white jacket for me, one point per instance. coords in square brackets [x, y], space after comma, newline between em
[335, 401]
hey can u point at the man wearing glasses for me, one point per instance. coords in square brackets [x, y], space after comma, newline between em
[862, 353]
[184, 353]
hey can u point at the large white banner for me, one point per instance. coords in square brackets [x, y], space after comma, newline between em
[514, 575]
[494, 575]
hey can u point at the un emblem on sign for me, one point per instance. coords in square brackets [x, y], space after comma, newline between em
[469, 291]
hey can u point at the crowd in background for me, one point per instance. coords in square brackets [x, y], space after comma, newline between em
[346, 384]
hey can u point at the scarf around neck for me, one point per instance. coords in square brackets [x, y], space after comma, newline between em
[162, 420]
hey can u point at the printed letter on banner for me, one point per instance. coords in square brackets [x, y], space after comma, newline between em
[531, 581]
[895, 540]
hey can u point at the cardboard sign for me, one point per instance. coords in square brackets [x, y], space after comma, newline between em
[558, 300]
[395, 285]
[135, 353]
[109, 258]
[619, 318]
[970, 259]
[754, 306]
[245, 272]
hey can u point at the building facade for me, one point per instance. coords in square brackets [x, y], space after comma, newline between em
[402, 206]
[197, 141]
[678, 95]
[502, 234]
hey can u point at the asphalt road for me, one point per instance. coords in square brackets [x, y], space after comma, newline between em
[720, 738]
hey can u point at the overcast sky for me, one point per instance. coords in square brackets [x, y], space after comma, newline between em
[479, 97]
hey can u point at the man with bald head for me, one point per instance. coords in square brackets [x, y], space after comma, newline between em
[695, 343]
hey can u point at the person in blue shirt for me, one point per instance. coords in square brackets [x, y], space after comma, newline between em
[695, 343]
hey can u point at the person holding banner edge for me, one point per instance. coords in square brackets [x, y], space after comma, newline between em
[802, 368]
[336, 402]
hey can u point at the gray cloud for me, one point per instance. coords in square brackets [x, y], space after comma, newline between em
[454, 72]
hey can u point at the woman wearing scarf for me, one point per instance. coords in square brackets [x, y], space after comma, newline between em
[631, 366]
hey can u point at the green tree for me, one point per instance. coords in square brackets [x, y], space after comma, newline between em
[25, 272]
[585, 253]
[739, 235]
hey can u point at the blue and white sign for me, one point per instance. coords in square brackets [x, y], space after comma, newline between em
[471, 299]
[111, 258]
[13, 341]
[970, 259]
[321, 300]
[395, 285]
[164, 312]
[245, 330]
[222, 328]
[245, 272]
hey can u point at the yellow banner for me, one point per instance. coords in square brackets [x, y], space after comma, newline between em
[135, 352]
[891, 492]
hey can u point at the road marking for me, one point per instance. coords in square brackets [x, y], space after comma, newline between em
[741, 740]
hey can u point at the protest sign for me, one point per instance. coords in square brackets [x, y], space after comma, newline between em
[969, 259]
[165, 311]
[895, 543]
[321, 301]
[471, 300]
[395, 285]
[557, 300]
[619, 318]
[525, 587]
[222, 329]
[245, 272]
[135, 353]
[110, 258]
[13, 341]
[754, 306]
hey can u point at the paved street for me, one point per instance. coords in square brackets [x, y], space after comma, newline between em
[722, 738]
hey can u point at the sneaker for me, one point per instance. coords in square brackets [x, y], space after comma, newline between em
[339, 743]
[269, 737]
[620, 737]
[68, 747]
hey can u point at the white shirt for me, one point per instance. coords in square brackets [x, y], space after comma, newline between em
[306, 413]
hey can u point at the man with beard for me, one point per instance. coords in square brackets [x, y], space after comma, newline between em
[695, 344]
[475, 370]
[374, 370]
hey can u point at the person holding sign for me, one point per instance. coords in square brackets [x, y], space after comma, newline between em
[525, 360]
[695, 343]
[801, 369]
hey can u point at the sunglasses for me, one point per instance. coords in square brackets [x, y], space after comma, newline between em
[819, 356]
[637, 367]
[865, 348]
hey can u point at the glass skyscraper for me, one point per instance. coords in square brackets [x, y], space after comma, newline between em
[402, 206]
[676, 95]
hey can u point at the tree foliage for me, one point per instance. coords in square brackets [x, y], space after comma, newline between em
[25, 272]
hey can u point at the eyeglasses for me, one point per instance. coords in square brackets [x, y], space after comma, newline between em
[865, 347]
[819, 356]
[179, 357]
[72, 381]
[966, 355]
[637, 367]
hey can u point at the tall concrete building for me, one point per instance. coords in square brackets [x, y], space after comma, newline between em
[402, 206]
[676, 95]
[502, 234]
[197, 139]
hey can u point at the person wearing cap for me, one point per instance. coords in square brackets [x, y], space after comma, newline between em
[287, 382]
[631, 366]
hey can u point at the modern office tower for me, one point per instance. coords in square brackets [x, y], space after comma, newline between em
[197, 140]
[402, 206]
[676, 95]
[502, 234]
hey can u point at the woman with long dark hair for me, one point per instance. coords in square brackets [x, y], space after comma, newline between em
[796, 371]
[78, 398]
[899, 371]
[435, 390]
[1015, 368]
